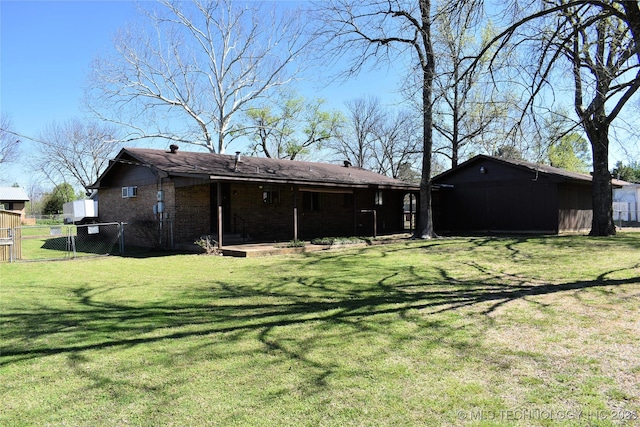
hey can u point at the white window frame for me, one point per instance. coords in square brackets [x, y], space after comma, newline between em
[128, 192]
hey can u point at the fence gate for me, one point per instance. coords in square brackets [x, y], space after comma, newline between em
[9, 246]
[52, 242]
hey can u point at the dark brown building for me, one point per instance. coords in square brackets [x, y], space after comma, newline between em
[176, 196]
[493, 195]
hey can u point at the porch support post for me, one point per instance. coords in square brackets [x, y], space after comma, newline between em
[295, 212]
[219, 226]
[375, 223]
[411, 212]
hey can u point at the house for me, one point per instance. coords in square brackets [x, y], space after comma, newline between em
[14, 199]
[493, 195]
[176, 196]
[625, 203]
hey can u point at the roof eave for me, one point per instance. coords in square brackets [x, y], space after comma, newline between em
[289, 181]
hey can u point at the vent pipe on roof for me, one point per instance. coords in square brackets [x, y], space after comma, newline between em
[235, 166]
[173, 148]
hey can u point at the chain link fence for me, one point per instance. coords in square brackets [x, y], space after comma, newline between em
[54, 242]
[626, 218]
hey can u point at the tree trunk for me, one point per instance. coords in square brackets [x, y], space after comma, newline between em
[424, 228]
[602, 193]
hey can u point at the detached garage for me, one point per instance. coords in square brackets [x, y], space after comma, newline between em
[493, 195]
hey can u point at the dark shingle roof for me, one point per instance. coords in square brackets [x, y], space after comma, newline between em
[223, 167]
[534, 167]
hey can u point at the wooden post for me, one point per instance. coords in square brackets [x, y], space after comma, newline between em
[375, 224]
[219, 215]
[295, 213]
[411, 212]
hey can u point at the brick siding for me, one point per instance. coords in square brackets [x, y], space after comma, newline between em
[192, 217]
[189, 213]
[262, 221]
[137, 212]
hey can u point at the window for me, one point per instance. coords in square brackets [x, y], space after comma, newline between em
[129, 192]
[270, 195]
[311, 201]
[378, 200]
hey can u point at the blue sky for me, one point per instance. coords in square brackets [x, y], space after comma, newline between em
[46, 48]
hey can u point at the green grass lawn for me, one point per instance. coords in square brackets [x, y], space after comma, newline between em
[473, 331]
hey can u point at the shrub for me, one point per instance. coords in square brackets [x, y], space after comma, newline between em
[339, 240]
[292, 244]
[209, 245]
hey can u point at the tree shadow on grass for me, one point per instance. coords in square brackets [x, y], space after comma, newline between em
[291, 319]
[223, 308]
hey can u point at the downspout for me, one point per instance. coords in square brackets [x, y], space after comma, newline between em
[159, 206]
[160, 209]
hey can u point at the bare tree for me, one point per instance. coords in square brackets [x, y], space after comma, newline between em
[397, 144]
[292, 126]
[378, 138]
[9, 141]
[75, 151]
[381, 31]
[601, 41]
[356, 142]
[470, 109]
[193, 66]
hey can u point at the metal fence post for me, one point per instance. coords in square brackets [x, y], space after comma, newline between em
[73, 241]
[121, 237]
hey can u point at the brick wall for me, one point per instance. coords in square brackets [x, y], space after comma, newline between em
[192, 217]
[334, 217]
[189, 211]
[142, 225]
[262, 221]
